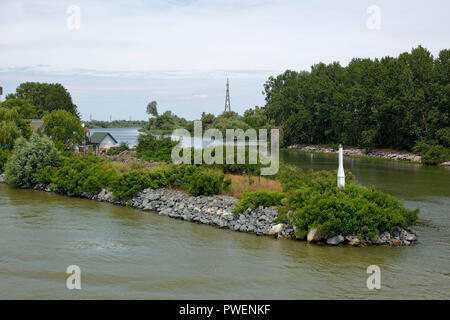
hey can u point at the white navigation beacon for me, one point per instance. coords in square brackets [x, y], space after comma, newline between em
[341, 174]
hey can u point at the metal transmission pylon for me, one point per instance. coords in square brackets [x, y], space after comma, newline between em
[227, 98]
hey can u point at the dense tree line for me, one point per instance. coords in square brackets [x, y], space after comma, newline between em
[399, 103]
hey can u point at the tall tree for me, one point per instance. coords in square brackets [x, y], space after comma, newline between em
[64, 128]
[46, 97]
[152, 108]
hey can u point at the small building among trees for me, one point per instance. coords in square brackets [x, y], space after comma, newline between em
[101, 141]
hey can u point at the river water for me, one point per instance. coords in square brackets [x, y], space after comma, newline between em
[128, 135]
[127, 253]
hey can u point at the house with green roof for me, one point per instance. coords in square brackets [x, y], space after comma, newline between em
[102, 141]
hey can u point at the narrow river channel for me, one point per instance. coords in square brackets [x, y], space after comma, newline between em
[127, 253]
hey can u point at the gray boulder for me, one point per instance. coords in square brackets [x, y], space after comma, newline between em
[335, 240]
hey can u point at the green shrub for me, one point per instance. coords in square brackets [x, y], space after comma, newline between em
[46, 175]
[4, 155]
[443, 136]
[130, 183]
[292, 178]
[421, 146]
[158, 178]
[28, 158]
[204, 183]
[78, 174]
[99, 178]
[190, 178]
[435, 155]
[180, 175]
[350, 210]
[258, 198]
[152, 148]
[368, 138]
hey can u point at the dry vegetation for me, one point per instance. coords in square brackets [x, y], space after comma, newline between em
[240, 184]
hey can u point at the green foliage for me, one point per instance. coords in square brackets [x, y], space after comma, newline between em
[421, 146]
[130, 183]
[314, 200]
[258, 198]
[257, 118]
[368, 138]
[64, 128]
[9, 132]
[226, 120]
[152, 108]
[116, 150]
[236, 168]
[164, 121]
[158, 149]
[78, 174]
[190, 178]
[46, 97]
[204, 183]
[349, 210]
[4, 155]
[435, 155]
[385, 103]
[25, 109]
[12, 127]
[443, 136]
[28, 158]
[292, 178]
[180, 175]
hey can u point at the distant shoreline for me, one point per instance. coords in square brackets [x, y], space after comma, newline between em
[375, 154]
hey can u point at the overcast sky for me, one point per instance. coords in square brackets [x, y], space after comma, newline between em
[125, 53]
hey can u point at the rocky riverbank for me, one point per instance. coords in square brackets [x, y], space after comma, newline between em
[392, 155]
[217, 211]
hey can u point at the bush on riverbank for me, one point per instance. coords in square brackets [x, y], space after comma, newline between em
[314, 201]
[4, 155]
[190, 178]
[258, 198]
[293, 178]
[131, 183]
[207, 183]
[436, 155]
[79, 174]
[350, 210]
[28, 157]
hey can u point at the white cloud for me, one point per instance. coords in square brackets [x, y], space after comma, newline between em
[203, 35]
[152, 46]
